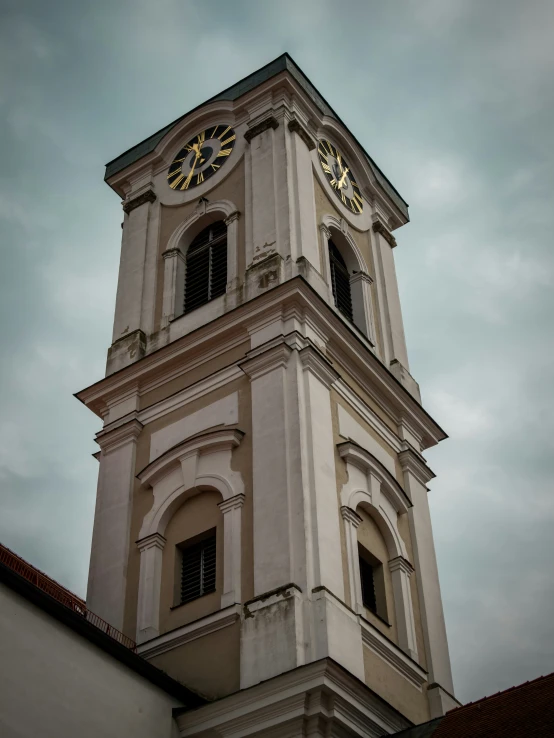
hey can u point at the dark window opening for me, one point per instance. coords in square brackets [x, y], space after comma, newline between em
[372, 579]
[340, 282]
[198, 568]
[206, 266]
[368, 585]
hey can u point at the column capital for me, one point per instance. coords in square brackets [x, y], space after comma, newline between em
[263, 362]
[382, 230]
[412, 462]
[111, 438]
[269, 122]
[314, 361]
[399, 563]
[237, 501]
[148, 196]
[350, 516]
[154, 540]
[235, 215]
[296, 127]
[325, 231]
[171, 253]
[361, 277]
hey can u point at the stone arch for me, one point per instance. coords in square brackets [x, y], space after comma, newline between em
[202, 462]
[337, 230]
[373, 487]
[204, 215]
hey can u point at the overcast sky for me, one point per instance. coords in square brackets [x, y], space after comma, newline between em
[454, 100]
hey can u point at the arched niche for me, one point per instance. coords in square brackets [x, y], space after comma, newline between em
[360, 283]
[202, 462]
[371, 487]
[174, 256]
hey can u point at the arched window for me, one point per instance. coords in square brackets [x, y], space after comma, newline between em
[206, 266]
[340, 282]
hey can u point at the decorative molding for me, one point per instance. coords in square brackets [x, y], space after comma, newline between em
[411, 462]
[350, 516]
[154, 540]
[279, 707]
[184, 397]
[361, 277]
[366, 461]
[399, 563]
[379, 228]
[187, 633]
[262, 363]
[325, 231]
[148, 196]
[270, 122]
[110, 439]
[392, 654]
[235, 215]
[232, 503]
[174, 252]
[218, 440]
[296, 127]
[313, 360]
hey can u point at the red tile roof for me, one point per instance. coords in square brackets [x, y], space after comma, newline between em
[524, 711]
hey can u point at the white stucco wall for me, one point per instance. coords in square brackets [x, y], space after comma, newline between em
[56, 684]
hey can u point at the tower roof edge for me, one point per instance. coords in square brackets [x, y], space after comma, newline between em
[283, 63]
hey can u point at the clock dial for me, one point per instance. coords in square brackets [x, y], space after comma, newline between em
[201, 157]
[339, 175]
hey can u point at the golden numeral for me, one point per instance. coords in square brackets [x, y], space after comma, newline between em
[228, 140]
[326, 168]
[173, 173]
[175, 182]
[201, 137]
[215, 167]
[224, 132]
[224, 152]
[213, 132]
[356, 196]
[342, 197]
[200, 178]
[334, 183]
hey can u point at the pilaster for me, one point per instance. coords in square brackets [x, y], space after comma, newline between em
[112, 521]
[148, 611]
[232, 533]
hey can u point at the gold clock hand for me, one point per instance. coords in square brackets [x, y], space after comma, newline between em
[341, 180]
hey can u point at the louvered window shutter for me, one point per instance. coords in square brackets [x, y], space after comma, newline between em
[368, 585]
[198, 571]
[340, 281]
[206, 266]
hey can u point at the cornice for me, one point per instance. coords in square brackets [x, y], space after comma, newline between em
[148, 196]
[343, 344]
[296, 127]
[233, 503]
[190, 632]
[411, 462]
[154, 540]
[399, 563]
[264, 125]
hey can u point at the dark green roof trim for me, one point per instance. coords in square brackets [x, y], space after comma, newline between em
[283, 63]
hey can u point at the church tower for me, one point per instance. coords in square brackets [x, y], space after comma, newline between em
[262, 528]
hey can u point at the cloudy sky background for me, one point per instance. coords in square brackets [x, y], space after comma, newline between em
[454, 100]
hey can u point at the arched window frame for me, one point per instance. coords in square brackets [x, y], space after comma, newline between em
[200, 462]
[337, 231]
[174, 256]
[373, 488]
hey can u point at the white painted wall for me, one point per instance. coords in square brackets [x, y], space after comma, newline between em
[55, 684]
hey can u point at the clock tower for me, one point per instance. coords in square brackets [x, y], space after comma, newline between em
[262, 528]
